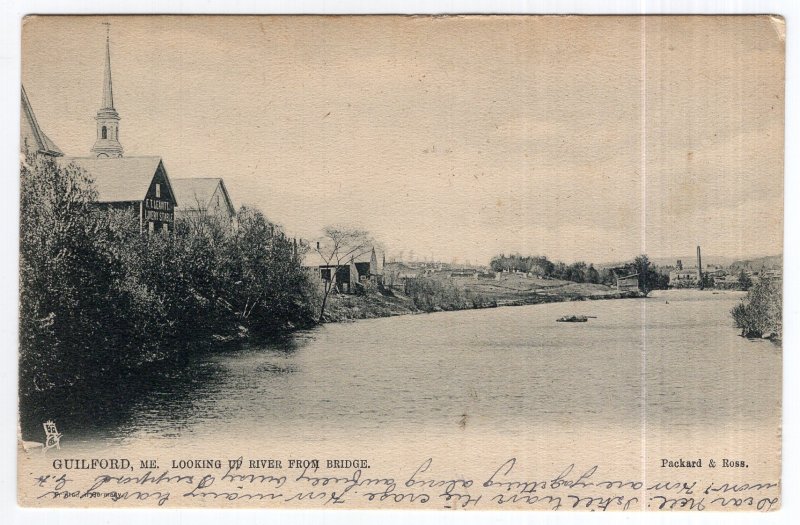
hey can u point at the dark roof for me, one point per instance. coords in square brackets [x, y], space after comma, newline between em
[196, 193]
[30, 130]
[121, 179]
[313, 258]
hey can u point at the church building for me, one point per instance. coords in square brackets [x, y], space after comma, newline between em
[140, 184]
[32, 138]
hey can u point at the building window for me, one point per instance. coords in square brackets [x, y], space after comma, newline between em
[104, 132]
[151, 226]
[158, 191]
[164, 227]
[326, 274]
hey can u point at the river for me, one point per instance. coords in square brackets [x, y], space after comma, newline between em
[668, 365]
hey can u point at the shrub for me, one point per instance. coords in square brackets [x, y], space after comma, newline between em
[430, 294]
[760, 312]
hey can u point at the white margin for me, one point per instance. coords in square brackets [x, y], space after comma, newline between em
[11, 13]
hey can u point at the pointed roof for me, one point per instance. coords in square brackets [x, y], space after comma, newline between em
[108, 92]
[196, 193]
[313, 258]
[30, 132]
[121, 179]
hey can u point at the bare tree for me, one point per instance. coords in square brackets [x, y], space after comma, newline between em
[340, 245]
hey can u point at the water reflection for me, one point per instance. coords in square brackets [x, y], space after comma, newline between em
[167, 394]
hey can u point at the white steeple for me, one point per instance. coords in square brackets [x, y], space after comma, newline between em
[107, 143]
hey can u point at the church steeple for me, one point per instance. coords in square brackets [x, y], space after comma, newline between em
[108, 92]
[107, 143]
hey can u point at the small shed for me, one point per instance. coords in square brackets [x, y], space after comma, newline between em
[627, 283]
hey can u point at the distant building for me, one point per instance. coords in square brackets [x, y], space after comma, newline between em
[356, 270]
[395, 274]
[684, 276]
[203, 196]
[626, 282]
[31, 136]
[466, 272]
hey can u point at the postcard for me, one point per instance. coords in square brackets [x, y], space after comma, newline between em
[401, 262]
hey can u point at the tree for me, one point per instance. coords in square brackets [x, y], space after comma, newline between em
[576, 272]
[607, 277]
[66, 276]
[592, 275]
[649, 278]
[340, 245]
[745, 282]
[760, 313]
[707, 281]
[560, 271]
[543, 266]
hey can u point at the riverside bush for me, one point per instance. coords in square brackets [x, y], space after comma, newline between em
[760, 312]
[431, 294]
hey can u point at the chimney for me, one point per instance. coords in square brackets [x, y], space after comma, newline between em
[317, 245]
[699, 268]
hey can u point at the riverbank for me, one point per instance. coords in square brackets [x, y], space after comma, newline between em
[453, 294]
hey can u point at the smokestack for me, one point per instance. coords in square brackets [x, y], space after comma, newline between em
[699, 268]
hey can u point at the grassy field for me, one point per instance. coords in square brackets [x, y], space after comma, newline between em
[512, 287]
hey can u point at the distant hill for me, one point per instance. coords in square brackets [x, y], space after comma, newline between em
[690, 261]
[769, 261]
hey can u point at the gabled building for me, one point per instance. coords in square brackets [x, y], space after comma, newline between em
[32, 138]
[356, 270]
[203, 197]
[140, 184]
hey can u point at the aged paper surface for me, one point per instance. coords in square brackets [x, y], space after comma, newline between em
[476, 262]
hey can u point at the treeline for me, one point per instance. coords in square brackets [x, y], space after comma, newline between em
[580, 272]
[97, 297]
[760, 314]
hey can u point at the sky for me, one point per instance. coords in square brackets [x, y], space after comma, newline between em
[449, 138]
